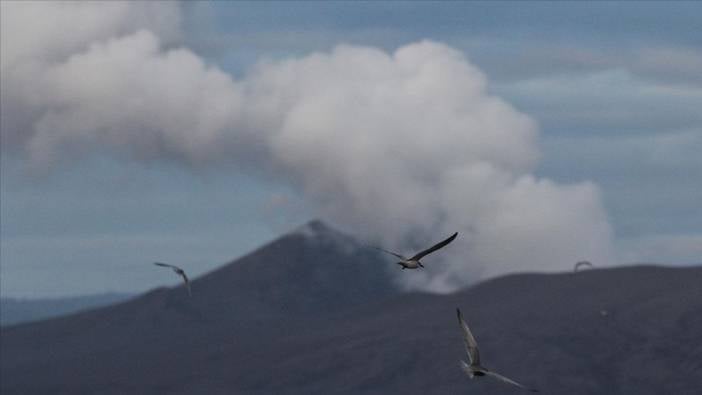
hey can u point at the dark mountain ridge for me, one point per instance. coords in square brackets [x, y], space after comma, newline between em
[18, 310]
[314, 313]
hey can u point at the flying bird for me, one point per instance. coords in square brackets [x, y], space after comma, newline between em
[179, 272]
[582, 264]
[474, 369]
[413, 262]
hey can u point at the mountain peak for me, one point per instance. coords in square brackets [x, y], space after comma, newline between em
[319, 231]
[314, 228]
[304, 271]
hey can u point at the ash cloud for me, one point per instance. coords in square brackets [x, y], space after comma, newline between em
[403, 148]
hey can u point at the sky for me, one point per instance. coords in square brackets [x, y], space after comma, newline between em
[192, 133]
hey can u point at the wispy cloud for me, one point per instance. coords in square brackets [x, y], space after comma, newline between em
[664, 248]
[609, 102]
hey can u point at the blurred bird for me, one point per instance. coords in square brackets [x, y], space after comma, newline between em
[413, 262]
[179, 272]
[582, 264]
[474, 369]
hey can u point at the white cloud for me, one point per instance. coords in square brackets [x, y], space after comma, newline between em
[49, 31]
[394, 144]
[37, 36]
[403, 147]
[144, 102]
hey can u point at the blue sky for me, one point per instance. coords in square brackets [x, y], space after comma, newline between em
[615, 89]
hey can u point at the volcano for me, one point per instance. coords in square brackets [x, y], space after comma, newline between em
[315, 312]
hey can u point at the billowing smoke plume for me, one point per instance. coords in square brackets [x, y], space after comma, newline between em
[402, 148]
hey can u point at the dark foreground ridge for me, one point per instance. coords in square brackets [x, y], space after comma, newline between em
[314, 313]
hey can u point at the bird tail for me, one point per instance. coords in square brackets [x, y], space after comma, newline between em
[466, 368]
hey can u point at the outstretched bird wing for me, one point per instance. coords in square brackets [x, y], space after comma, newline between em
[433, 248]
[167, 265]
[179, 271]
[390, 252]
[468, 340]
[581, 264]
[509, 381]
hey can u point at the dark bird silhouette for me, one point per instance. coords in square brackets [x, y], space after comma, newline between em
[413, 262]
[179, 272]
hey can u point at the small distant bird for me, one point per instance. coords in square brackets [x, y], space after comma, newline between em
[413, 262]
[582, 264]
[474, 368]
[179, 272]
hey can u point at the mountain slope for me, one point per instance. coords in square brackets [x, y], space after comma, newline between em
[15, 311]
[308, 271]
[298, 277]
[546, 331]
[268, 323]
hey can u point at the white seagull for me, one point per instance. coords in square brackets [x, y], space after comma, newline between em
[582, 264]
[179, 272]
[474, 368]
[413, 262]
